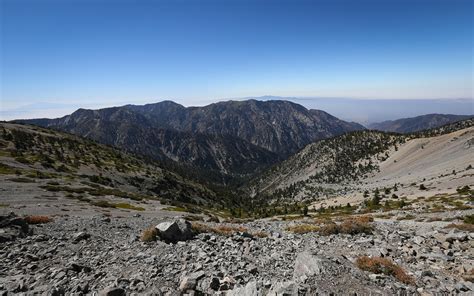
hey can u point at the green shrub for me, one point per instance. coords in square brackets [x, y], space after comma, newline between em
[469, 219]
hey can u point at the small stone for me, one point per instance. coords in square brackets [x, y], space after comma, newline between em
[426, 273]
[462, 287]
[80, 236]
[190, 282]
[252, 269]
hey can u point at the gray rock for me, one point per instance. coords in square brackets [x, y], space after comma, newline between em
[252, 269]
[248, 290]
[418, 240]
[288, 288]
[307, 265]
[426, 273]
[174, 231]
[460, 236]
[462, 287]
[214, 284]
[80, 236]
[79, 267]
[190, 282]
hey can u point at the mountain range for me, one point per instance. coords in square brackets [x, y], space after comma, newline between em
[261, 151]
[230, 139]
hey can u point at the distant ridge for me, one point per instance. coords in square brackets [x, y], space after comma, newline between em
[418, 123]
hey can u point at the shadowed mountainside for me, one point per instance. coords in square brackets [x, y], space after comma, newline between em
[233, 138]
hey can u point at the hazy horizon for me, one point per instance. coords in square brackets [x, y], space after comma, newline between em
[364, 111]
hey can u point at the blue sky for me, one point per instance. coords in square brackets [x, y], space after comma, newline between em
[59, 55]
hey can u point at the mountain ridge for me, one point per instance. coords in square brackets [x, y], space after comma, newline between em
[263, 132]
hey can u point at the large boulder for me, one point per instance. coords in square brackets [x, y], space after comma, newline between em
[175, 230]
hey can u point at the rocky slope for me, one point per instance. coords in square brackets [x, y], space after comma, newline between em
[220, 136]
[348, 162]
[418, 123]
[104, 254]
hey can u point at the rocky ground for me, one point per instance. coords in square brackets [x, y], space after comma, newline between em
[75, 255]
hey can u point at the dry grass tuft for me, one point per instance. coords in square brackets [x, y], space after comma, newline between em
[329, 228]
[462, 226]
[469, 276]
[355, 227]
[303, 228]
[38, 219]
[433, 219]
[384, 266]
[406, 217]
[362, 219]
[150, 234]
[225, 230]
[260, 234]
[349, 226]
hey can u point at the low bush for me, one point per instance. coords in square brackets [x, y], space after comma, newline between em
[469, 219]
[353, 227]
[464, 190]
[148, 235]
[384, 266]
[329, 228]
[38, 219]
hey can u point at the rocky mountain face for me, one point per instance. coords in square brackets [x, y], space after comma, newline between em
[415, 124]
[233, 138]
[313, 171]
[332, 166]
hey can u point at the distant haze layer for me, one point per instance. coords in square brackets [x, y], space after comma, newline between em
[364, 111]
